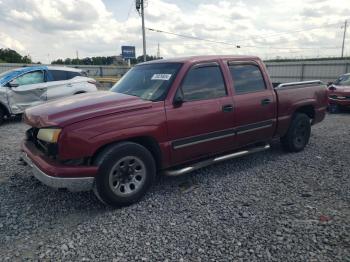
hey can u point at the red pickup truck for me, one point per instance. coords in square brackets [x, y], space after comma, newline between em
[167, 117]
[339, 94]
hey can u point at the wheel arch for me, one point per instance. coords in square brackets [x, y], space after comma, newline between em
[308, 110]
[147, 142]
[5, 109]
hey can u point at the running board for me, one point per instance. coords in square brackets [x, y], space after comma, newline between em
[211, 161]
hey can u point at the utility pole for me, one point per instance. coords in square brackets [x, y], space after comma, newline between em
[344, 36]
[140, 7]
[77, 53]
[158, 52]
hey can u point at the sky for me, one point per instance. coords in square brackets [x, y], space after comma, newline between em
[51, 29]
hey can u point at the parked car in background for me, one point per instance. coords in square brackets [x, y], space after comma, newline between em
[171, 116]
[339, 94]
[28, 86]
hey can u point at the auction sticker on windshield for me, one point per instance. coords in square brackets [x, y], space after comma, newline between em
[165, 77]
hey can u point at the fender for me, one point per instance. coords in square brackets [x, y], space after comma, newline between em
[75, 144]
[285, 119]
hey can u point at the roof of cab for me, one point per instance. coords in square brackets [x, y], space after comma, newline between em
[203, 58]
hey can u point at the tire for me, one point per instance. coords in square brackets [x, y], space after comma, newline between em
[333, 109]
[298, 133]
[126, 172]
[2, 116]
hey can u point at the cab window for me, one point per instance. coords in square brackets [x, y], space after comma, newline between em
[247, 78]
[205, 82]
[30, 78]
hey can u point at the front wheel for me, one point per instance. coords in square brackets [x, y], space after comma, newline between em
[126, 172]
[298, 134]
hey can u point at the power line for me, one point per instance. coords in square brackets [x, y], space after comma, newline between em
[289, 32]
[232, 44]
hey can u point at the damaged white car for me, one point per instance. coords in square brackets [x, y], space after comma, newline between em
[29, 86]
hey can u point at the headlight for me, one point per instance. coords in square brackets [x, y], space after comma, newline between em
[49, 135]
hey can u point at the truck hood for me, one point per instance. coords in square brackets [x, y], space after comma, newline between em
[63, 112]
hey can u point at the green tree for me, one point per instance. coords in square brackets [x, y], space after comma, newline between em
[8, 55]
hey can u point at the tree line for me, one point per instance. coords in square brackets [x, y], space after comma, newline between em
[99, 60]
[8, 55]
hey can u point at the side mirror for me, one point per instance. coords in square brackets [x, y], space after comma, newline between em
[12, 84]
[329, 83]
[178, 101]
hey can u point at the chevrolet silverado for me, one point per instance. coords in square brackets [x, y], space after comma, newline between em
[167, 117]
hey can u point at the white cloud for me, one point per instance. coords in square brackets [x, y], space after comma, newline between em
[60, 27]
[8, 42]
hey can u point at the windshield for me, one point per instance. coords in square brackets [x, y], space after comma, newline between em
[149, 82]
[343, 80]
[6, 72]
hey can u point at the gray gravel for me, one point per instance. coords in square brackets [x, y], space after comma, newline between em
[271, 206]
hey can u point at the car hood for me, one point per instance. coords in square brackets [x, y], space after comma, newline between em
[77, 108]
[341, 90]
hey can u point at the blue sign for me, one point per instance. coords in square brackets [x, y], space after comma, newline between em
[128, 52]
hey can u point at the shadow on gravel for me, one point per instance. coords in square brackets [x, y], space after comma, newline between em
[26, 201]
[232, 166]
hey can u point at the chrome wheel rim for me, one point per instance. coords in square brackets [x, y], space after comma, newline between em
[127, 176]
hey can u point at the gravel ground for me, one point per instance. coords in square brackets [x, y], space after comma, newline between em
[271, 206]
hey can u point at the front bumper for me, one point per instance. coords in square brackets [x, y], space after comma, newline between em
[341, 102]
[72, 178]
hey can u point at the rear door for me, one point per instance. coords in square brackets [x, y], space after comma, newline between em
[61, 84]
[254, 103]
[200, 126]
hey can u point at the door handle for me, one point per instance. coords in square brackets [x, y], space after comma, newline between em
[227, 108]
[69, 85]
[265, 101]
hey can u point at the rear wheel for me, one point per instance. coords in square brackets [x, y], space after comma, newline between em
[298, 134]
[126, 171]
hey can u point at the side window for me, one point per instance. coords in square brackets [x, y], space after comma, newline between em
[247, 78]
[72, 74]
[30, 78]
[203, 83]
[58, 75]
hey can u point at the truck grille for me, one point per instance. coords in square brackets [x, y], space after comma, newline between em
[340, 98]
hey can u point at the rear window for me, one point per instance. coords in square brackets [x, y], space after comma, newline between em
[60, 75]
[73, 74]
[247, 78]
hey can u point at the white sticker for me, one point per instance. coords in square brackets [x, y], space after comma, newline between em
[165, 77]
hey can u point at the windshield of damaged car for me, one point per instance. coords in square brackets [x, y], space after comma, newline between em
[6, 73]
[344, 80]
[149, 82]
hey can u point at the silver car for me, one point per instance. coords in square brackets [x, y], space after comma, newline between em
[29, 86]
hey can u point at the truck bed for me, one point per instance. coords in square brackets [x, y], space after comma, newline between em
[312, 94]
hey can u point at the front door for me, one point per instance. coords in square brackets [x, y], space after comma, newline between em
[200, 126]
[27, 90]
